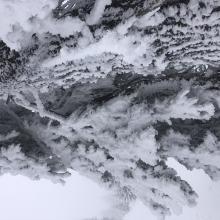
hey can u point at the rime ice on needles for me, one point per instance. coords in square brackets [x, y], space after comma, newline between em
[111, 89]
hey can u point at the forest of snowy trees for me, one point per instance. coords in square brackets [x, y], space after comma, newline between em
[112, 89]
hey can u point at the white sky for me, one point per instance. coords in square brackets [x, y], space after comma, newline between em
[24, 199]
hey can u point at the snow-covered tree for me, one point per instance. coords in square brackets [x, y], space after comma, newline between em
[112, 89]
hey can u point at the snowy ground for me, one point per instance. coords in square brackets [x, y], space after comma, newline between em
[23, 199]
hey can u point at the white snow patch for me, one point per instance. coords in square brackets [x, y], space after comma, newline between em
[208, 191]
[127, 46]
[97, 11]
[20, 18]
[8, 136]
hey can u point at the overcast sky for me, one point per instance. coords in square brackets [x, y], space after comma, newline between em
[24, 199]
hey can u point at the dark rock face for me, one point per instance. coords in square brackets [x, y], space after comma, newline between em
[73, 7]
[118, 12]
[9, 61]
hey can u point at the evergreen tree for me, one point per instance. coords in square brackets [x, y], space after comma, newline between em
[112, 89]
